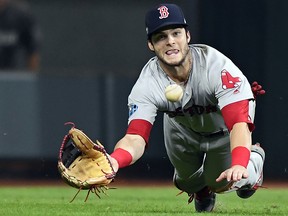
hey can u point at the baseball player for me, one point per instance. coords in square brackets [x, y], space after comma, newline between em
[208, 108]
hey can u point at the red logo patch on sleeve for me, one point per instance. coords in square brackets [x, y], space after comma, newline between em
[228, 81]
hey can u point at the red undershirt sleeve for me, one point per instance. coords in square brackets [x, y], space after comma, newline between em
[237, 112]
[136, 126]
[140, 127]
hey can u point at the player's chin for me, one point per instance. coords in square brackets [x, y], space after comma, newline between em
[172, 61]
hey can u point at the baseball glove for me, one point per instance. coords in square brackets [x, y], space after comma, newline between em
[84, 164]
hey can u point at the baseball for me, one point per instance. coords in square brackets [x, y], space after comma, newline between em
[174, 92]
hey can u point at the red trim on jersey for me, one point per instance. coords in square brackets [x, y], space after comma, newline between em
[237, 112]
[240, 156]
[140, 127]
[123, 157]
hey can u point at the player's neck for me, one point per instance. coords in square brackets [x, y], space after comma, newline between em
[181, 72]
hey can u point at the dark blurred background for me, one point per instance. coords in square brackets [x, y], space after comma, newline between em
[92, 53]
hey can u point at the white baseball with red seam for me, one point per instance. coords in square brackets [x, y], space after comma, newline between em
[174, 92]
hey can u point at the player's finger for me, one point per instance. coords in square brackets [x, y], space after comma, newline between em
[255, 83]
[261, 92]
[229, 176]
[258, 87]
[221, 177]
[236, 176]
[245, 174]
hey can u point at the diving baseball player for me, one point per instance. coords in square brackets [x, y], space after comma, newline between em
[208, 111]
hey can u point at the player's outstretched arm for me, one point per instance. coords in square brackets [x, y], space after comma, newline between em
[127, 151]
[240, 139]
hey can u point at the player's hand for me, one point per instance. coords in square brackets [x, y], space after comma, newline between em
[114, 163]
[235, 173]
[257, 89]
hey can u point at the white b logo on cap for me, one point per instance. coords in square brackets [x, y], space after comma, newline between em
[163, 10]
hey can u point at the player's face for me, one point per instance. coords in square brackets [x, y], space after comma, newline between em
[171, 46]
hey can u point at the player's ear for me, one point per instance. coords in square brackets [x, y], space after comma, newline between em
[150, 45]
[188, 35]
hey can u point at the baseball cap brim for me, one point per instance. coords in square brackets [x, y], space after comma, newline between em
[165, 26]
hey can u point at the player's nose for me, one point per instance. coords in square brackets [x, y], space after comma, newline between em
[170, 39]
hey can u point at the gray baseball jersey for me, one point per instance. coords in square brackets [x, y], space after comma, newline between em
[214, 82]
[191, 124]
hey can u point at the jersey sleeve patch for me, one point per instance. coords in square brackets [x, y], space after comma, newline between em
[237, 112]
[228, 81]
[132, 109]
[140, 127]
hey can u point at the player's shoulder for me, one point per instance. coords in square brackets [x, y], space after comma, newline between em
[208, 55]
[151, 77]
[150, 69]
[205, 49]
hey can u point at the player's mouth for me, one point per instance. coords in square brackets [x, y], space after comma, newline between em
[172, 52]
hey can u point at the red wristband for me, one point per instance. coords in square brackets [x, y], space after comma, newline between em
[123, 157]
[240, 156]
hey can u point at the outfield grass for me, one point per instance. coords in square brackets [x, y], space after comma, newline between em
[125, 201]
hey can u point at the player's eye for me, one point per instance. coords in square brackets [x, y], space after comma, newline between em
[177, 33]
[159, 37]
